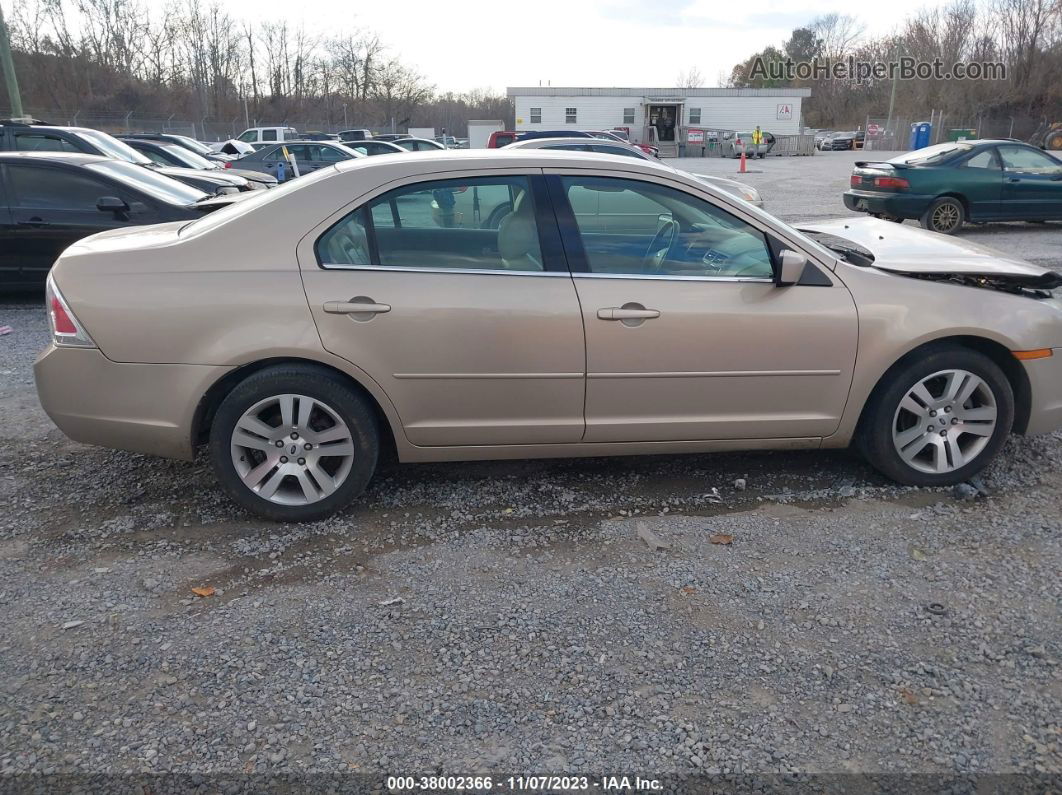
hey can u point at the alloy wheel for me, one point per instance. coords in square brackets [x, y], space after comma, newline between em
[292, 449]
[946, 217]
[944, 421]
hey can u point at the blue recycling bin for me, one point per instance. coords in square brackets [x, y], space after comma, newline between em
[920, 134]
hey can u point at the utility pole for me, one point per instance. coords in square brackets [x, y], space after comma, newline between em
[892, 94]
[8, 67]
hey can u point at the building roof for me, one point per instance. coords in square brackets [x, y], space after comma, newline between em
[587, 91]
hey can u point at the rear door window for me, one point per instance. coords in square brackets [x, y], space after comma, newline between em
[269, 135]
[44, 188]
[480, 223]
[42, 142]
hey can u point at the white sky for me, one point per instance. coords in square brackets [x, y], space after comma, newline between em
[465, 44]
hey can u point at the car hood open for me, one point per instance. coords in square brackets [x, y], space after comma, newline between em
[904, 249]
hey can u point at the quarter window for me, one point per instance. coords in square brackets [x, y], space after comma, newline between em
[481, 223]
[985, 159]
[633, 227]
[695, 115]
[628, 115]
[536, 115]
[571, 115]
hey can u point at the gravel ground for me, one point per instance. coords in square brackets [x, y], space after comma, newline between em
[548, 616]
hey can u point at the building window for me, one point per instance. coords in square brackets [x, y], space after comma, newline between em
[695, 115]
[569, 115]
[536, 115]
[628, 115]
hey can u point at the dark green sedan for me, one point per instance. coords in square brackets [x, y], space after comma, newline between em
[946, 185]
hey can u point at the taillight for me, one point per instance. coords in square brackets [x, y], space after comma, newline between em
[66, 330]
[228, 164]
[856, 181]
[891, 182]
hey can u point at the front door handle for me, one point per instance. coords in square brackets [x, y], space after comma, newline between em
[626, 313]
[35, 222]
[355, 307]
[1014, 179]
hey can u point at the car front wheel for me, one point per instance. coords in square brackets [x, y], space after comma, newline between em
[938, 419]
[945, 215]
[294, 443]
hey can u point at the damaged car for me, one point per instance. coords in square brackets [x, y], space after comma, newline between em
[620, 307]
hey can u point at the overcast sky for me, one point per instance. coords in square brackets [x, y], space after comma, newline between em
[465, 44]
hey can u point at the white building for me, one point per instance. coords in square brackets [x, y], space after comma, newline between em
[659, 115]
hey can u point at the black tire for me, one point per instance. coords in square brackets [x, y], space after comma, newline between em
[321, 385]
[945, 215]
[876, 431]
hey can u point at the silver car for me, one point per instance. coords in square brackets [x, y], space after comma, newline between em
[308, 155]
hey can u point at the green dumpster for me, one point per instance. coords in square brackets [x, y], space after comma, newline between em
[962, 134]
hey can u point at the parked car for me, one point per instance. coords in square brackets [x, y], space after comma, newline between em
[375, 147]
[622, 137]
[358, 134]
[419, 145]
[621, 149]
[500, 138]
[198, 147]
[20, 137]
[448, 341]
[946, 185]
[392, 137]
[733, 143]
[316, 135]
[268, 135]
[49, 200]
[308, 156]
[844, 140]
[163, 153]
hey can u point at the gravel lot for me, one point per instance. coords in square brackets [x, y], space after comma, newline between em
[549, 616]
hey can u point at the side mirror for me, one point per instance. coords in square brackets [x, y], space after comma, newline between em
[791, 268]
[112, 204]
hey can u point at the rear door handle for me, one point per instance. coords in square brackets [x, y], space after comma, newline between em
[622, 313]
[1013, 179]
[355, 308]
[34, 222]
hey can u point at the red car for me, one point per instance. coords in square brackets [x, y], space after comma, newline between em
[500, 138]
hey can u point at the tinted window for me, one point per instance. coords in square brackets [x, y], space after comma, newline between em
[42, 142]
[569, 147]
[1020, 158]
[632, 227]
[269, 135]
[484, 223]
[985, 159]
[616, 150]
[330, 154]
[54, 188]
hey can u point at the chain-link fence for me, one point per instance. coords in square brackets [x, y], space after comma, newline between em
[895, 134]
[206, 129]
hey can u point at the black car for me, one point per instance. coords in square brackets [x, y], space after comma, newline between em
[49, 200]
[531, 134]
[172, 155]
[845, 140]
[20, 137]
[185, 141]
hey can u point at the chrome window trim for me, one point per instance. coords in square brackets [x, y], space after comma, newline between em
[676, 277]
[415, 269]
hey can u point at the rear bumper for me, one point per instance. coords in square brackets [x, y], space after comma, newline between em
[1045, 382]
[901, 205]
[146, 408]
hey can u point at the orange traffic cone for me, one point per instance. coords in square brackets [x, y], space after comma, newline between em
[741, 168]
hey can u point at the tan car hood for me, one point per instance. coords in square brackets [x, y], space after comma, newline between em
[905, 249]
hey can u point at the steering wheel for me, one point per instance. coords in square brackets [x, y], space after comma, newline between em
[661, 244]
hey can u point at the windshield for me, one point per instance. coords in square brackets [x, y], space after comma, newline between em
[193, 144]
[931, 154]
[187, 157]
[155, 185]
[112, 147]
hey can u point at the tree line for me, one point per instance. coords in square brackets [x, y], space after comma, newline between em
[194, 60]
[1024, 35]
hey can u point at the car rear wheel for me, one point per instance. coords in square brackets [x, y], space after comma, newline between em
[945, 215]
[294, 443]
[938, 419]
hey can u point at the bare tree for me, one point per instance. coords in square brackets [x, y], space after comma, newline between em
[691, 78]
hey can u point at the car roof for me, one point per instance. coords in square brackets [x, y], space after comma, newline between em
[73, 158]
[538, 143]
[459, 159]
